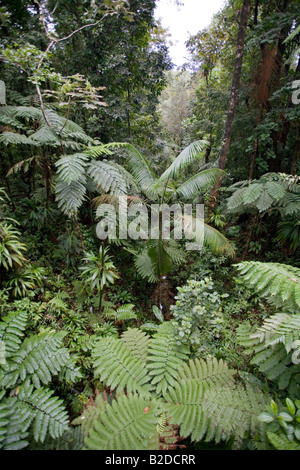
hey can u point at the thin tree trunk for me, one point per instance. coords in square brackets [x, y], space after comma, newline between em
[253, 159]
[48, 176]
[245, 13]
[79, 233]
[296, 158]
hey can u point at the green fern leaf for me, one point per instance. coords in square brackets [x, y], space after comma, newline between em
[275, 190]
[128, 424]
[48, 413]
[191, 153]
[278, 283]
[137, 342]
[165, 359]
[70, 196]
[39, 358]
[71, 167]
[107, 177]
[281, 442]
[252, 193]
[117, 368]
[12, 329]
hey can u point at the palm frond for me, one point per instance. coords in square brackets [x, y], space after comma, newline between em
[199, 183]
[217, 242]
[188, 155]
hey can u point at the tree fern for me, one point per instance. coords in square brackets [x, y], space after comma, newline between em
[278, 283]
[273, 191]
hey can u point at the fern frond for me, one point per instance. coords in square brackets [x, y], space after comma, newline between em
[34, 409]
[104, 149]
[271, 348]
[137, 342]
[69, 197]
[217, 242]
[154, 261]
[12, 329]
[72, 439]
[14, 138]
[125, 312]
[44, 136]
[38, 359]
[280, 328]
[48, 413]
[281, 442]
[278, 283]
[27, 113]
[145, 267]
[252, 193]
[210, 371]
[128, 424]
[118, 368]
[92, 411]
[275, 190]
[165, 359]
[107, 177]
[71, 167]
[235, 202]
[14, 424]
[24, 164]
[212, 408]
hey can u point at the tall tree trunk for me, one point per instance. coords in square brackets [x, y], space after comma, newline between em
[48, 176]
[245, 13]
[296, 158]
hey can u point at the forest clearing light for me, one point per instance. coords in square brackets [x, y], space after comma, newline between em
[183, 20]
